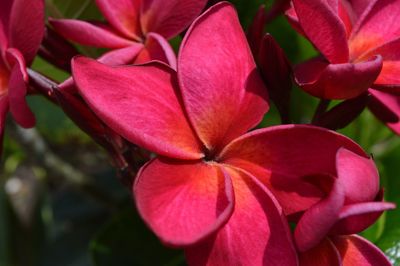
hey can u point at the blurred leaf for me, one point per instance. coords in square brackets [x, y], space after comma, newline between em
[83, 9]
[126, 241]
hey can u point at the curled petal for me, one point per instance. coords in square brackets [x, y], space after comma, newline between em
[17, 87]
[358, 175]
[386, 107]
[256, 234]
[141, 103]
[330, 35]
[355, 250]
[26, 27]
[123, 15]
[169, 18]
[222, 91]
[337, 81]
[325, 253]
[157, 48]
[183, 202]
[122, 56]
[89, 34]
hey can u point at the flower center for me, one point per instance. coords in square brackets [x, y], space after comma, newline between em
[210, 155]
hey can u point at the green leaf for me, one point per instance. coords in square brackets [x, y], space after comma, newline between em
[126, 241]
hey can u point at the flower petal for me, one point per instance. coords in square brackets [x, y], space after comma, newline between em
[157, 48]
[183, 202]
[26, 27]
[86, 33]
[358, 175]
[355, 250]
[121, 56]
[324, 28]
[323, 254]
[169, 18]
[17, 87]
[222, 91]
[386, 107]
[256, 234]
[123, 15]
[317, 221]
[5, 10]
[141, 103]
[337, 81]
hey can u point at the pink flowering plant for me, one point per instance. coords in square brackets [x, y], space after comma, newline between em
[188, 132]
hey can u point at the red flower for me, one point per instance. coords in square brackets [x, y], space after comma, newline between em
[21, 32]
[206, 191]
[137, 29]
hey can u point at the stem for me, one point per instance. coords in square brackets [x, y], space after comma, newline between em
[42, 85]
[321, 109]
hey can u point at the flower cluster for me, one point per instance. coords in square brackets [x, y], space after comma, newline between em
[293, 194]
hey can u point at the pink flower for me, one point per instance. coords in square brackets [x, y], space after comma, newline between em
[137, 30]
[21, 32]
[353, 202]
[209, 188]
[358, 41]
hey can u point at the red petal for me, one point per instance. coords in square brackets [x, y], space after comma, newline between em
[358, 176]
[324, 254]
[123, 15]
[386, 107]
[358, 217]
[183, 202]
[355, 250]
[157, 48]
[337, 81]
[17, 87]
[324, 28]
[222, 91]
[26, 27]
[360, 6]
[256, 234]
[5, 10]
[141, 103]
[169, 18]
[89, 34]
[122, 56]
[317, 221]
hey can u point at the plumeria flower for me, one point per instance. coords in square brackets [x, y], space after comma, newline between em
[325, 232]
[137, 30]
[207, 189]
[21, 32]
[359, 44]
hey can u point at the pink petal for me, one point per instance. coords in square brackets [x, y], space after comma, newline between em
[122, 56]
[355, 250]
[222, 91]
[378, 25]
[386, 107]
[157, 48]
[357, 217]
[89, 34]
[255, 32]
[290, 150]
[337, 81]
[317, 221]
[26, 27]
[169, 18]
[358, 175]
[17, 88]
[141, 103]
[5, 10]
[183, 202]
[123, 15]
[359, 6]
[256, 234]
[323, 254]
[324, 28]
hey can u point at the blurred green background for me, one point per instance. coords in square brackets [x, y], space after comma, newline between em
[62, 205]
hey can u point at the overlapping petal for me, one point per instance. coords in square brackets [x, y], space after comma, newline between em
[256, 234]
[123, 15]
[355, 250]
[142, 103]
[168, 18]
[122, 56]
[222, 91]
[89, 34]
[183, 202]
[324, 253]
[386, 107]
